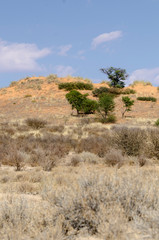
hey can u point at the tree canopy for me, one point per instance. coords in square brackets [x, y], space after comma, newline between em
[105, 105]
[116, 76]
[81, 103]
[128, 103]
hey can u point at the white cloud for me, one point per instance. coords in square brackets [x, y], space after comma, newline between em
[63, 71]
[80, 54]
[105, 37]
[64, 49]
[20, 56]
[151, 75]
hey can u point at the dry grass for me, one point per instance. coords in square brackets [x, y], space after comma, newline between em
[74, 203]
[79, 182]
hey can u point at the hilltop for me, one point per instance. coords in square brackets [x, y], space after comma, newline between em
[40, 97]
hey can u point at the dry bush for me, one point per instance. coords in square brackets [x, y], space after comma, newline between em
[84, 157]
[22, 128]
[130, 140]
[14, 214]
[152, 149]
[59, 145]
[144, 83]
[27, 188]
[75, 160]
[114, 157]
[24, 219]
[56, 128]
[16, 158]
[142, 160]
[8, 130]
[52, 78]
[35, 123]
[98, 145]
[46, 150]
[46, 159]
[107, 205]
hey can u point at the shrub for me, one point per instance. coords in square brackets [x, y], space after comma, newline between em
[114, 157]
[157, 122]
[16, 158]
[142, 161]
[47, 160]
[89, 106]
[13, 83]
[128, 103]
[28, 95]
[98, 91]
[152, 99]
[130, 140]
[111, 119]
[56, 128]
[81, 103]
[87, 80]
[105, 82]
[84, 157]
[76, 85]
[52, 78]
[75, 98]
[128, 91]
[145, 83]
[35, 123]
[105, 105]
[153, 147]
[113, 91]
[98, 145]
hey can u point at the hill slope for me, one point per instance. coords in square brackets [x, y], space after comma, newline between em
[40, 97]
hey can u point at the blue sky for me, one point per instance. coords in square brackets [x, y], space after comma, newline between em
[78, 37]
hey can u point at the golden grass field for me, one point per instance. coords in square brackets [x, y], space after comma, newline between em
[74, 178]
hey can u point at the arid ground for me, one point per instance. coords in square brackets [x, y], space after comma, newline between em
[64, 177]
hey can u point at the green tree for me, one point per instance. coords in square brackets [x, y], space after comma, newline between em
[128, 103]
[116, 76]
[105, 106]
[89, 106]
[81, 103]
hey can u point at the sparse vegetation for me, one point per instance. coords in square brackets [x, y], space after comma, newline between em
[128, 91]
[145, 83]
[110, 119]
[98, 91]
[68, 86]
[35, 123]
[128, 103]
[28, 95]
[13, 83]
[152, 99]
[113, 91]
[52, 78]
[157, 122]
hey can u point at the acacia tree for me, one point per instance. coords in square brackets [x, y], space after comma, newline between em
[128, 103]
[116, 76]
[81, 103]
[105, 105]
